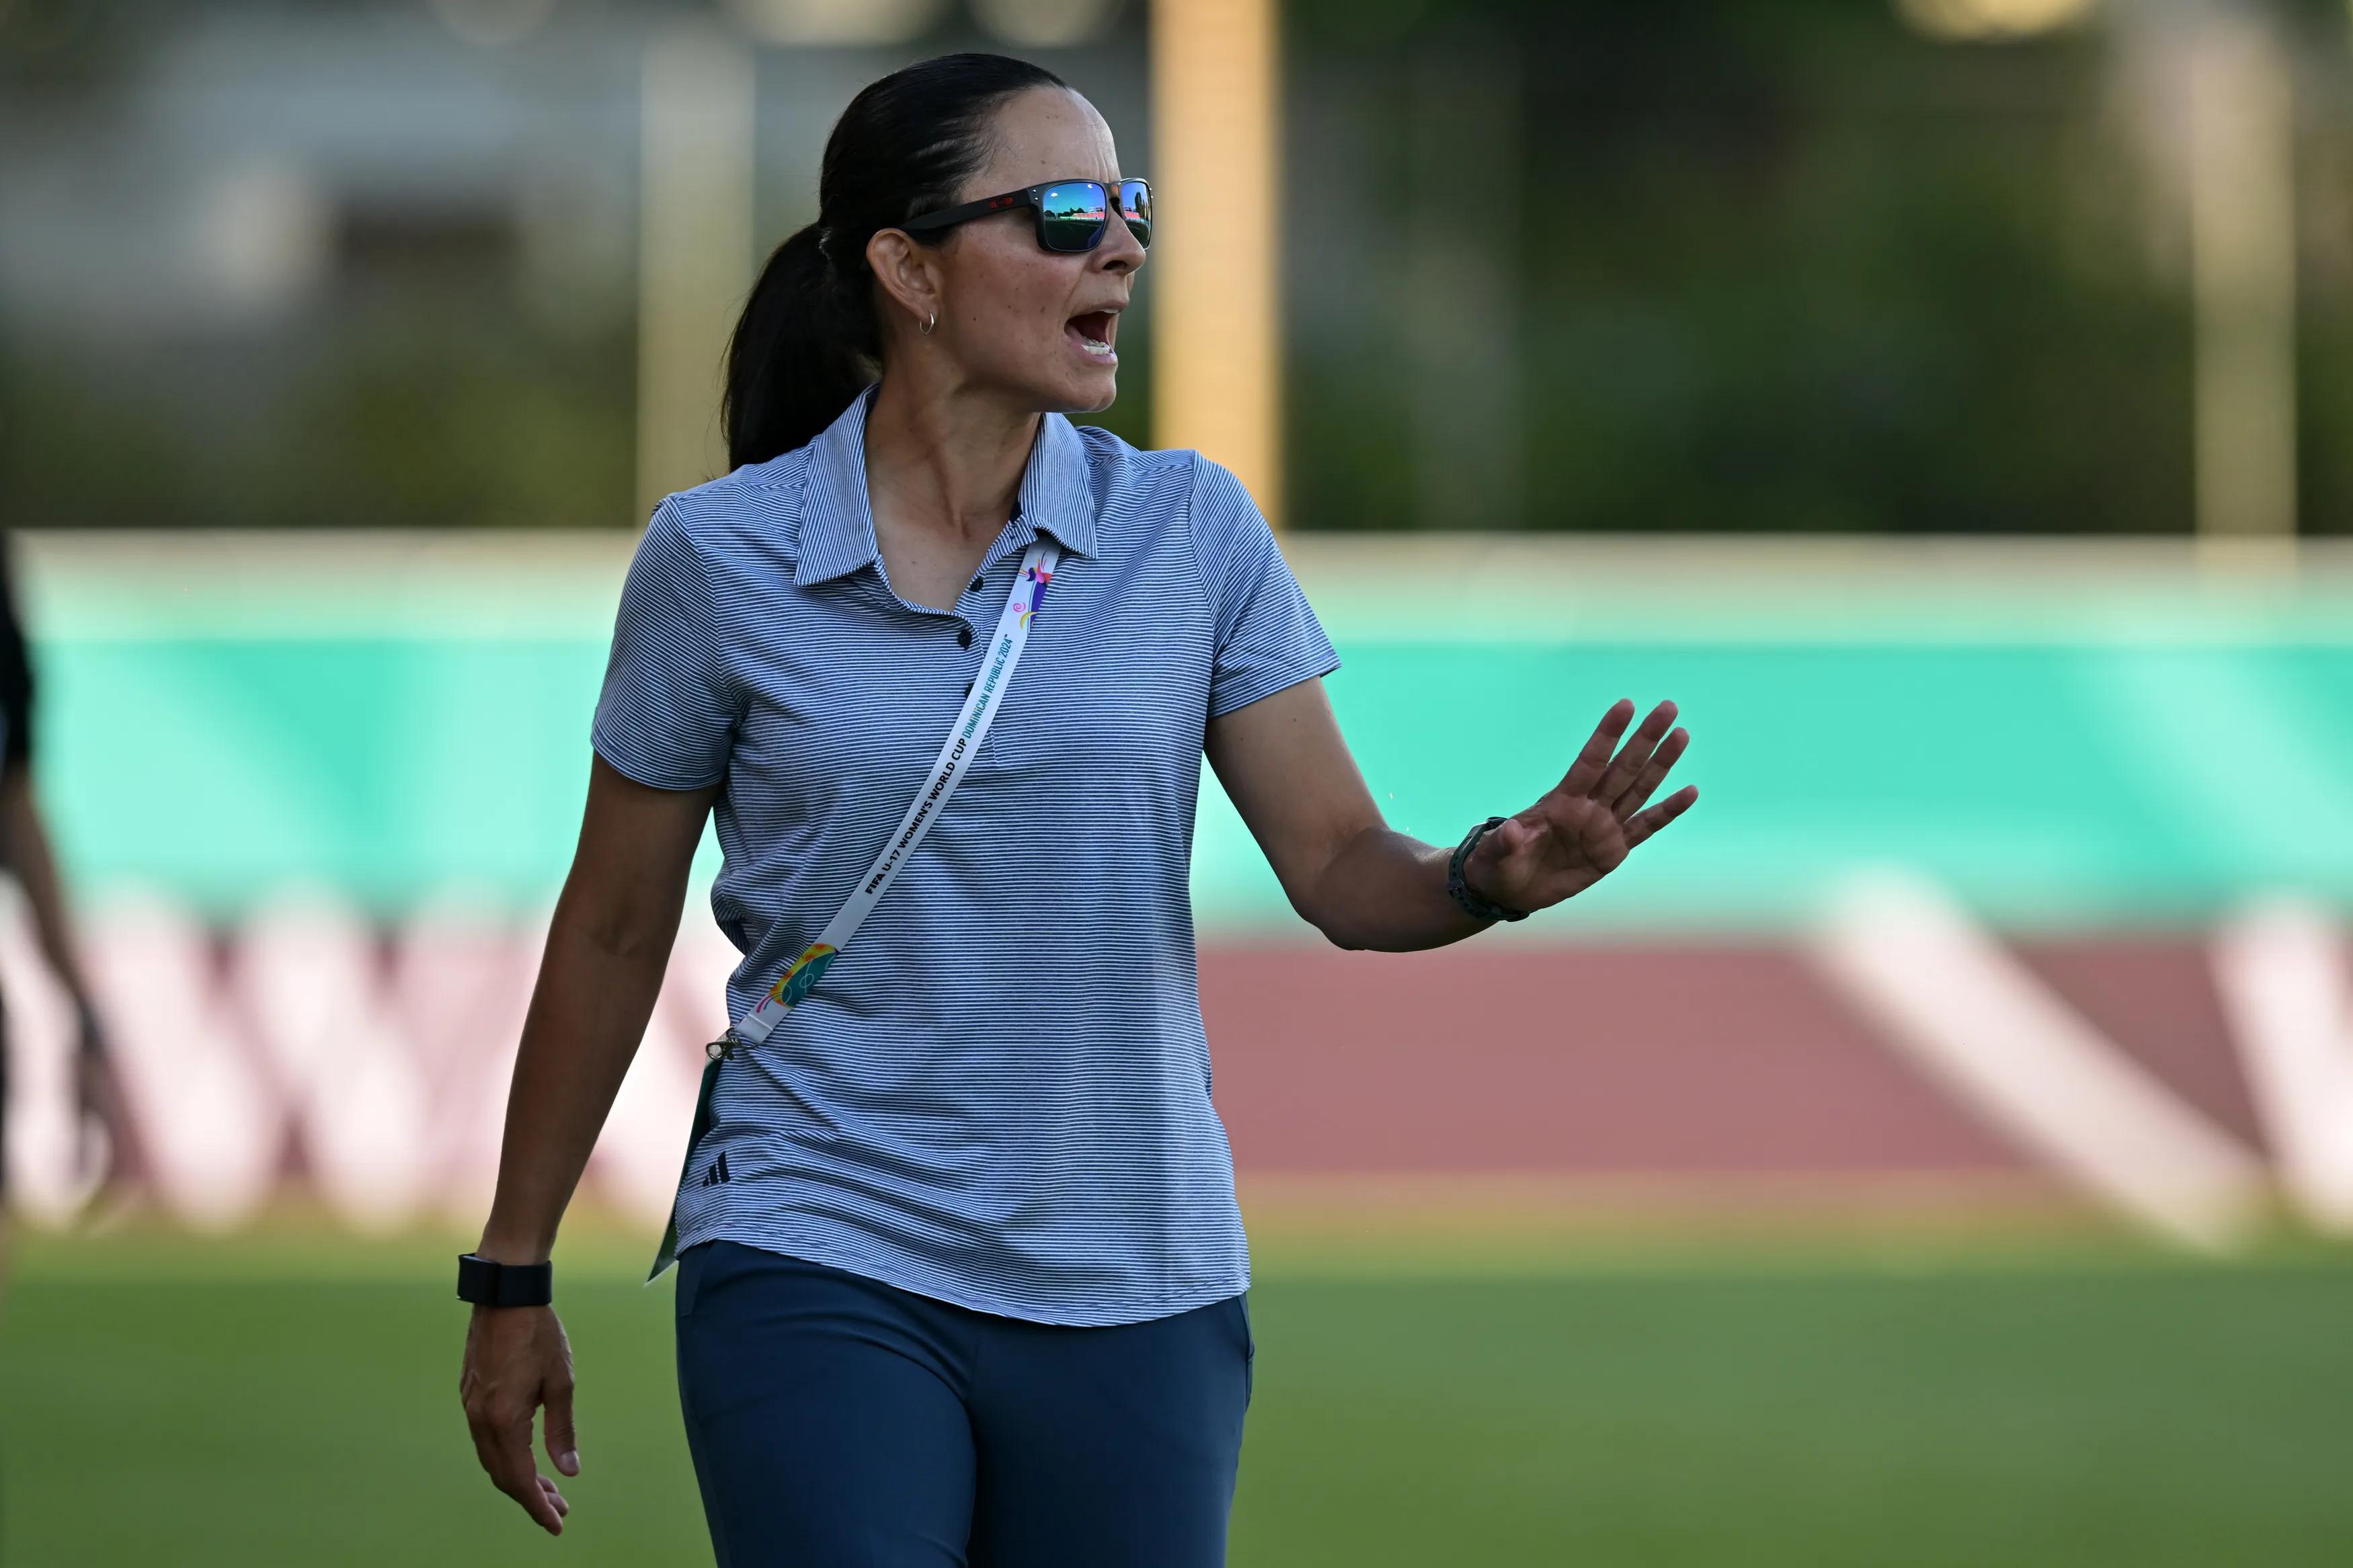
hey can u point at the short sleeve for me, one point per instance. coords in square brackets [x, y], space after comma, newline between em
[1268, 636]
[666, 714]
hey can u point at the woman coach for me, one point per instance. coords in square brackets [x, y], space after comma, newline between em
[961, 1273]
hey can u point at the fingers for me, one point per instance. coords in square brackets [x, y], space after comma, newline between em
[504, 1449]
[501, 1395]
[1491, 866]
[1636, 755]
[562, 1449]
[1583, 830]
[1643, 824]
[1586, 772]
[1502, 841]
[1663, 761]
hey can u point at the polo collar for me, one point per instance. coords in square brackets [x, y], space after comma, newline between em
[837, 536]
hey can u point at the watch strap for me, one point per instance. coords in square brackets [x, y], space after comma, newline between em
[489, 1284]
[1460, 890]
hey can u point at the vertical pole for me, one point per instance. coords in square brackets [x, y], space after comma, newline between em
[1216, 335]
[2242, 278]
[694, 250]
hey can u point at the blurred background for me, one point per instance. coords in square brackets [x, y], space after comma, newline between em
[1938, 1147]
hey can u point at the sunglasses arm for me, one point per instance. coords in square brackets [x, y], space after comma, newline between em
[948, 217]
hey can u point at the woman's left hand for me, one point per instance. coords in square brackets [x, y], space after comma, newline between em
[1584, 825]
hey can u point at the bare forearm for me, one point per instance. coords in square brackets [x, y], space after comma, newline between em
[607, 949]
[1384, 890]
[1288, 772]
[588, 1012]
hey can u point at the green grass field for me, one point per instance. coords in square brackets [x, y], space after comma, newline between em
[277, 1400]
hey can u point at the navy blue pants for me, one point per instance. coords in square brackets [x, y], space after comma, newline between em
[837, 1422]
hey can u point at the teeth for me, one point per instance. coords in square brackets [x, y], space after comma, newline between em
[1095, 346]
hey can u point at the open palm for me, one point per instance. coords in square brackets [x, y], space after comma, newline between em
[1584, 828]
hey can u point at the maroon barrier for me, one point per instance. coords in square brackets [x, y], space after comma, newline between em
[1707, 1062]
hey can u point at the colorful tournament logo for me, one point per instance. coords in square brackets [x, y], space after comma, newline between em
[807, 971]
[1038, 580]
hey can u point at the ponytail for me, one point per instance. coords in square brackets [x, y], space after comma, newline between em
[808, 340]
[804, 348]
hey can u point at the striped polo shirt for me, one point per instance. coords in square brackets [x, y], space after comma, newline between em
[999, 1096]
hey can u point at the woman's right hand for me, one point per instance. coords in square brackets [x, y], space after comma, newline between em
[518, 1360]
[609, 944]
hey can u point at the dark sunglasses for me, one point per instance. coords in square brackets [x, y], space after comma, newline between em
[1073, 214]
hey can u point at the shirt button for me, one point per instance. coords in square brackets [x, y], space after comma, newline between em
[964, 636]
[975, 584]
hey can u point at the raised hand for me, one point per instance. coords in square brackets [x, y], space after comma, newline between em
[1584, 828]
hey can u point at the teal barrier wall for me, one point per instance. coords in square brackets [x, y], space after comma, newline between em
[2064, 739]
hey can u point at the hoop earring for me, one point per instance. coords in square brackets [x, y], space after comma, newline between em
[929, 322]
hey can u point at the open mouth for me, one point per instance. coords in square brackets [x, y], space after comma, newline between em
[1093, 333]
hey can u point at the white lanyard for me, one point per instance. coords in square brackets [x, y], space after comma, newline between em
[963, 742]
[962, 745]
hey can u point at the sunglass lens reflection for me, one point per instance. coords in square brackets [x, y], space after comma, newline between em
[1073, 214]
[1135, 206]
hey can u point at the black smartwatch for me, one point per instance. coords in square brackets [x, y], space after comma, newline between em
[489, 1284]
[1460, 890]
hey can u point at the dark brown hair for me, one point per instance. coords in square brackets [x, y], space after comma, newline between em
[808, 340]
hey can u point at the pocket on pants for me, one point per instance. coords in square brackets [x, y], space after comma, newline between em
[689, 1275]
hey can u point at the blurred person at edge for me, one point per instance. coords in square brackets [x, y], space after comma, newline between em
[24, 852]
[961, 1275]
